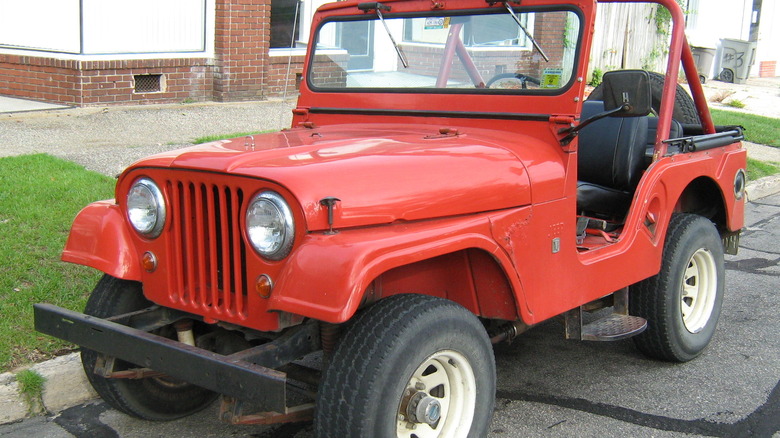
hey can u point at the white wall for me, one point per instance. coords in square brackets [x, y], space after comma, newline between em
[711, 20]
[110, 27]
[40, 24]
[769, 35]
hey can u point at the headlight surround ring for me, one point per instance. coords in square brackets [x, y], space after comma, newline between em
[270, 227]
[146, 208]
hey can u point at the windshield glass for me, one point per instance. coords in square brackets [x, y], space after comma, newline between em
[482, 52]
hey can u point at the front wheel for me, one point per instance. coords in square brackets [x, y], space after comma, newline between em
[410, 366]
[682, 302]
[152, 398]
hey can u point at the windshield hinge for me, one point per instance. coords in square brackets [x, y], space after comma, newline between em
[561, 127]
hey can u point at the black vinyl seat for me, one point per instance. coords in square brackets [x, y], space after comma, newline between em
[613, 154]
[611, 161]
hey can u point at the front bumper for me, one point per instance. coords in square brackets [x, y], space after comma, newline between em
[236, 375]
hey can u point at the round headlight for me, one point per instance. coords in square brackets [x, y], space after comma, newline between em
[146, 208]
[269, 225]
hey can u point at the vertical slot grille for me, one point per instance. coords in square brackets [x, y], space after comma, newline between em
[209, 255]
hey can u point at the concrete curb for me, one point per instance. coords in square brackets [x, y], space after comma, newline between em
[67, 386]
[763, 187]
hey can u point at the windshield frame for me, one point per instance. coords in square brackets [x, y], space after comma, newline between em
[496, 10]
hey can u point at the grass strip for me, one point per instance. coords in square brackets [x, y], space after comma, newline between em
[758, 169]
[210, 138]
[758, 129]
[39, 197]
[31, 387]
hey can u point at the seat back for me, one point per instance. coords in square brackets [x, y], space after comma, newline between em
[611, 150]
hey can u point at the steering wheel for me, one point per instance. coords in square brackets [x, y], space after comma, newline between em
[524, 79]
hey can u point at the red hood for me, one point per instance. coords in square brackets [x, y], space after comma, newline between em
[380, 176]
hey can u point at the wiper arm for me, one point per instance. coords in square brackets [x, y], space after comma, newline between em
[379, 7]
[530, 37]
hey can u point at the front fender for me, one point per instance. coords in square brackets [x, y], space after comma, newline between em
[325, 278]
[99, 238]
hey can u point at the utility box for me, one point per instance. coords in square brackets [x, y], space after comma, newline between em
[735, 60]
[703, 56]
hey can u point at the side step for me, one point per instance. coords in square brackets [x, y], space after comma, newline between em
[618, 325]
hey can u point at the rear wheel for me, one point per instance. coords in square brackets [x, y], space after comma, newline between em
[153, 398]
[682, 302]
[410, 366]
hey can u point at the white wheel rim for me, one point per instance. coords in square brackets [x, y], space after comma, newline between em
[699, 288]
[448, 377]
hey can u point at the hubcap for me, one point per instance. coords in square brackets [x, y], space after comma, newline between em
[699, 288]
[424, 409]
[439, 398]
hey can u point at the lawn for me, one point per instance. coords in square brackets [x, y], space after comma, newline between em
[39, 197]
[758, 129]
[210, 138]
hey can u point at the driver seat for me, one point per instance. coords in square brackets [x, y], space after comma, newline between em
[611, 159]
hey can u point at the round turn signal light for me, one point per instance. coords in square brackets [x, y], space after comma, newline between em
[263, 286]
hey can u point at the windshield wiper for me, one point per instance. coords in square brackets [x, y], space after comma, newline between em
[530, 37]
[379, 7]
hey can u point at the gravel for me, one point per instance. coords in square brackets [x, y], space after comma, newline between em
[107, 140]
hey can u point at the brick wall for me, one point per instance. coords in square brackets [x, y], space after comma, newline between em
[237, 71]
[40, 79]
[277, 72]
[767, 69]
[241, 47]
[104, 82]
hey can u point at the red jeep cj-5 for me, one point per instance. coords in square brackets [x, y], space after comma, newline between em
[444, 186]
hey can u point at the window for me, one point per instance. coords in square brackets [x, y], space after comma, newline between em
[486, 30]
[284, 29]
[483, 52]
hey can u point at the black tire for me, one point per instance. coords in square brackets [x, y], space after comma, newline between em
[692, 266]
[387, 348]
[158, 399]
[727, 75]
[684, 108]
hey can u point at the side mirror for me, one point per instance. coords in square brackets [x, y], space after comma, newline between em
[627, 92]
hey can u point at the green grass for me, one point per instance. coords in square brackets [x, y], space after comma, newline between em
[39, 197]
[31, 387]
[758, 129]
[758, 169]
[210, 138]
[734, 103]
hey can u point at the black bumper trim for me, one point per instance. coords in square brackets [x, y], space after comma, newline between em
[235, 378]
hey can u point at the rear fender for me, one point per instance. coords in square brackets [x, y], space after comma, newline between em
[99, 238]
[327, 276]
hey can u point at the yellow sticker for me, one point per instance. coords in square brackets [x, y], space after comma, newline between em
[551, 78]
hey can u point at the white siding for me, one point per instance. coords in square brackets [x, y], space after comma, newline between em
[143, 26]
[768, 48]
[93, 27]
[51, 25]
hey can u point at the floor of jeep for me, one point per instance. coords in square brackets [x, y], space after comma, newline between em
[595, 239]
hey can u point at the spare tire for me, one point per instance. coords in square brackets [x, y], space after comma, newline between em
[684, 108]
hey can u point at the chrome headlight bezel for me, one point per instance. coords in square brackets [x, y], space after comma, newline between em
[145, 191]
[275, 243]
